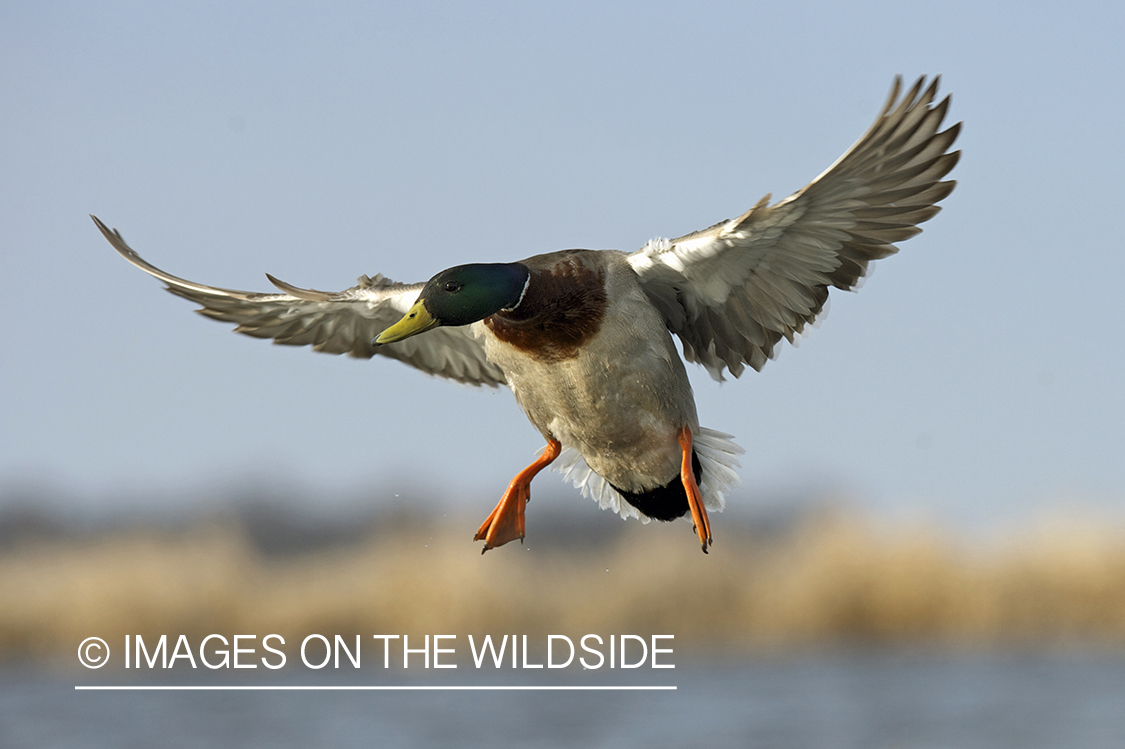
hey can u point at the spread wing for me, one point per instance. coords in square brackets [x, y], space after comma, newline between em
[343, 322]
[732, 291]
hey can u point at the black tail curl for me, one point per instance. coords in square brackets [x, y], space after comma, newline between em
[666, 502]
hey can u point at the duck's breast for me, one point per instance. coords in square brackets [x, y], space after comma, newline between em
[619, 396]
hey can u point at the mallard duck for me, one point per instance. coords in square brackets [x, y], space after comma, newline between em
[584, 337]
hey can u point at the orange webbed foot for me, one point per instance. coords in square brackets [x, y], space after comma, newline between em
[506, 521]
[700, 524]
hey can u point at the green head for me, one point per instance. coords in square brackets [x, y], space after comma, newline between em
[461, 295]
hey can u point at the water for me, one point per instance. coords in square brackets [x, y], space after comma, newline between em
[860, 699]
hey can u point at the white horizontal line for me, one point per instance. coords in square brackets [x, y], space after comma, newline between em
[380, 688]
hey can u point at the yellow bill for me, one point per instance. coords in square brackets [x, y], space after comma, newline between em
[416, 321]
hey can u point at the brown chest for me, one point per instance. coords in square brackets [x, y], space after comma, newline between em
[563, 308]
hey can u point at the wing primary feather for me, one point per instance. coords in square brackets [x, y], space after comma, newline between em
[733, 290]
[336, 323]
[309, 295]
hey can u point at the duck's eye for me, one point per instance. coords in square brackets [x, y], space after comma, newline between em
[452, 287]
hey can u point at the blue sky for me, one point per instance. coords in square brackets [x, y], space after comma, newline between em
[977, 374]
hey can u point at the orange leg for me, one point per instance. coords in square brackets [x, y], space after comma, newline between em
[506, 522]
[700, 524]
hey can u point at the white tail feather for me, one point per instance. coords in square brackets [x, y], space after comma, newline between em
[716, 451]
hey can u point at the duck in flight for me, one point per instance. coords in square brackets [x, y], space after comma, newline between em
[584, 337]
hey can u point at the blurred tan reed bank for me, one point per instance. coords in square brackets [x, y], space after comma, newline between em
[828, 579]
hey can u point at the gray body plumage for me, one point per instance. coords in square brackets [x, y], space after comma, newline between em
[619, 401]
